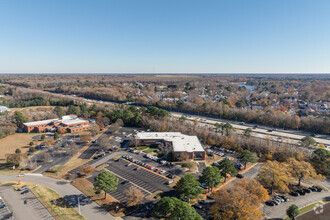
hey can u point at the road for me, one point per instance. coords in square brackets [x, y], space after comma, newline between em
[88, 208]
[290, 136]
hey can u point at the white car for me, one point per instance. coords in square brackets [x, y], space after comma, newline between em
[21, 175]
[162, 172]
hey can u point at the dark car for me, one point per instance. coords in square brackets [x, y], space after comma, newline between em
[170, 176]
[270, 203]
[301, 192]
[312, 189]
[307, 190]
[239, 176]
[126, 181]
[210, 196]
[294, 194]
[284, 198]
[25, 191]
[197, 205]
[2, 206]
[202, 202]
[318, 189]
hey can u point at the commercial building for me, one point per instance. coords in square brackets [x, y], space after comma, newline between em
[175, 142]
[70, 122]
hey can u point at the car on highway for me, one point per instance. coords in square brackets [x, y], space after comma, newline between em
[21, 175]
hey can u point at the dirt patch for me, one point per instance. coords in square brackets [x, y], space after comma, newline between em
[9, 144]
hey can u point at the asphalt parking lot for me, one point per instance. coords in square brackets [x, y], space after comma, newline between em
[32, 210]
[147, 181]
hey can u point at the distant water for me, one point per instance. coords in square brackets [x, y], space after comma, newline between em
[252, 88]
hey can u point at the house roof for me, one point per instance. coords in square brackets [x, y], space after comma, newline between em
[68, 120]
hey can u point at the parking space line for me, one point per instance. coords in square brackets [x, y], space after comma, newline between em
[130, 181]
[150, 171]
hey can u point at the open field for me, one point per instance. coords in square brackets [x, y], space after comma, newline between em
[9, 144]
[34, 108]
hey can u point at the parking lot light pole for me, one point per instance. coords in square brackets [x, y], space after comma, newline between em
[78, 205]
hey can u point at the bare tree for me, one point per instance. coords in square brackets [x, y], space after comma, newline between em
[45, 157]
[134, 196]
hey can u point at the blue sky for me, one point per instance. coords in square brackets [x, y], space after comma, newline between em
[164, 36]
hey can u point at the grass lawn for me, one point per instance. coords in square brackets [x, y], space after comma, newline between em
[142, 148]
[6, 168]
[149, 150]
[55, 204]
[9, 144]
[109, 203]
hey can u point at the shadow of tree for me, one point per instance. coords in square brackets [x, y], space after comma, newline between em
[74, 199]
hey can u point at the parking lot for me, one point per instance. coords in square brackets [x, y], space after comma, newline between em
[147, 181]
[22, 205]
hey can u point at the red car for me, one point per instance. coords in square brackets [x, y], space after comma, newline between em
[148, 167]
[157, 170]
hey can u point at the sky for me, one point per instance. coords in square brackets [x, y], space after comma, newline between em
[164, 36]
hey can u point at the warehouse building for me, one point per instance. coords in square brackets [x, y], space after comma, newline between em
[175, 142]
[70, 122]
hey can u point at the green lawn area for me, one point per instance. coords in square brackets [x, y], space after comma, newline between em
[308, 208]
[142, 148]
[149, 150]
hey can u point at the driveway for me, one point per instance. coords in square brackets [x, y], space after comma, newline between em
[88, 208]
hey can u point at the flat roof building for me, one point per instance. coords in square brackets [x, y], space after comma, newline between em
[70, 122]
[175, 142]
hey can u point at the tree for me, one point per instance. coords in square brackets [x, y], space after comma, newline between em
[239, 201]
[61, 130]
[301, 170]
[308, 141]
[275, 175]
[20, 118]
[106, 181]
[174, 208]
[18, 151]
[247, 132]
[85, 137]
[42, 137]
[227, 167]
[182, 118]
[59, 111]
[292, 211]
[211, 176]
[56, 136]
[321, 161]
[31, 143]
[32, 149]
[134, 196]
[15, 159]
[228, 127]
[188, 187]
[45, 157]
[247, 156]
[87, 169]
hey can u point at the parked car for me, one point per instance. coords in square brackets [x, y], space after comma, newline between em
[23, 188]
[306, 190]
[210, 196]
[129, 164]
[197, 205]
[119, 159]
[2, 206]
[25, 191]
[171, 176]
[126, 181]
[284, 198]
[203, 202]
[301, 192]
[162, 172]
[239, 176]
[157, 170]
[169, 182]
[270, 203]
[293, 193]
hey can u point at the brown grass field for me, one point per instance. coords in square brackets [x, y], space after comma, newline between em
[9, 144]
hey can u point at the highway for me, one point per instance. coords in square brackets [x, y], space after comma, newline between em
[288, 136]
[280, 135]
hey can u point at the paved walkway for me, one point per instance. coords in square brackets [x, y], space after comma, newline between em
[88, 208]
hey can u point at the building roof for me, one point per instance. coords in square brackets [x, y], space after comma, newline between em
[180, 142]
[4, 108]
[68, 120]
